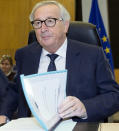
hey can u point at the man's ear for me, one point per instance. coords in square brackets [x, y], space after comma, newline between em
[66, 26]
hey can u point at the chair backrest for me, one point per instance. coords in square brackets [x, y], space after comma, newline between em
[81, 31]
[84, 32]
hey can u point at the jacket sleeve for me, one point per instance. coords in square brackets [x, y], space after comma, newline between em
[107, 101]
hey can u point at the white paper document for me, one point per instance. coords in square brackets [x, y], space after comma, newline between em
[44, 93]
[31, 124]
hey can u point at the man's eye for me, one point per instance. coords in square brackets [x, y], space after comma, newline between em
[50, 20]
[37, 22]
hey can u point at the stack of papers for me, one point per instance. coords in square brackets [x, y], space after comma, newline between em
[31, 124]
[44, 93]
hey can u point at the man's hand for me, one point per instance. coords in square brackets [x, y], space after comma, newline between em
[2, 119]
[71, 107]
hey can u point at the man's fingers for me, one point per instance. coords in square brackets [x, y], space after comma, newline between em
[2, 119]
[69, 112]
[68, 103]
[71, 107]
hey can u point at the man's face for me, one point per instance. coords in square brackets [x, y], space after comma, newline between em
[51, 38]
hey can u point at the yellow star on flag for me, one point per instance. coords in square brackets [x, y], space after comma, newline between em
[104, 38]
[107, 50]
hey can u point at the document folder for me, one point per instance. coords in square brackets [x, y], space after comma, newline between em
[44, 93]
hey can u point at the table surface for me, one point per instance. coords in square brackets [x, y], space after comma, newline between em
[86, 127]
[31, 124]
[96, 127]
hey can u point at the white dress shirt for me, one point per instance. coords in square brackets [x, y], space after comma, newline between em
[60, 61]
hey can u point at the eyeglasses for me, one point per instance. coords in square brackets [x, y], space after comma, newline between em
[50, 22]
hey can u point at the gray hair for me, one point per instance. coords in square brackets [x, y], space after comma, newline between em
[63, 11]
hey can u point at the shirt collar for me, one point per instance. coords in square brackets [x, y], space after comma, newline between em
[61, 51]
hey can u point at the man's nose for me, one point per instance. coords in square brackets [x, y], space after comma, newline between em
[44, 27]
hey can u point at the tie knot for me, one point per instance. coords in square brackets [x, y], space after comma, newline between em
[52, 56]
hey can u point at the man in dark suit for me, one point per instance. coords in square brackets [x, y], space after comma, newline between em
[3, 89]
[92, 93]
[6, 89]
[3, 85]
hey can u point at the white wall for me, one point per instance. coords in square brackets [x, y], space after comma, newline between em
[86, 5]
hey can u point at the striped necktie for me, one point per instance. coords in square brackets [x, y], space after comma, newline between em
[52, 66]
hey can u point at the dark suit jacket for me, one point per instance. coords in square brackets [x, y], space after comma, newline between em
[8, 96]
[89, 78]
[3, 86]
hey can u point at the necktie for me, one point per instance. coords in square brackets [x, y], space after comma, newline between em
[52, 66]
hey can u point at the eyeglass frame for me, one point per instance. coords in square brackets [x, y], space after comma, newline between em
[44, 21]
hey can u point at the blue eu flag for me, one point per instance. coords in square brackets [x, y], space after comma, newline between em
[96, 19]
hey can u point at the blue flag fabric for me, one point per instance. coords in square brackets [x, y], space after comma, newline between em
[96, 19]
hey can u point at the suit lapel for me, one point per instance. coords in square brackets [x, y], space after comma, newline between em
[37, 54]
[34, 59]
[72, 56]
